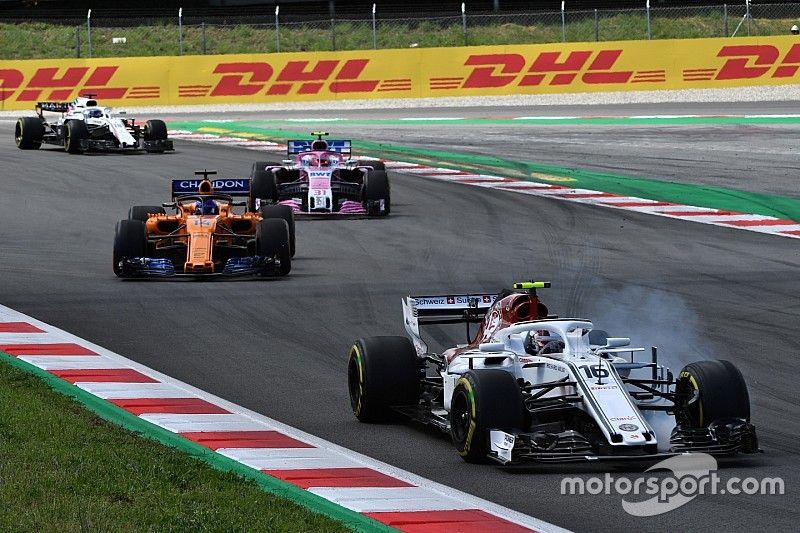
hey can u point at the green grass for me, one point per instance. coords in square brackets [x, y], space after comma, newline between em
[37, 40]
[64, 469]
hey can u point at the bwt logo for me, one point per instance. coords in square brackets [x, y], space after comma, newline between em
[247, 79]
[562, 68]
[52, 83]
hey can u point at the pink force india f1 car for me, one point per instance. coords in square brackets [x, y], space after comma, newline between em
[320, 178]
[530, 386]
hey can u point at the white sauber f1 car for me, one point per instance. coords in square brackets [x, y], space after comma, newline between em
[85, 126]
[533, 387]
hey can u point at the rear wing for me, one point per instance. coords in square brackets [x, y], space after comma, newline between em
[55, 107]
[231, 186]
[344, 147]
[442, 309]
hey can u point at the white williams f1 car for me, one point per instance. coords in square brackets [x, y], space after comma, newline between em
[532, 387]
[85, 126]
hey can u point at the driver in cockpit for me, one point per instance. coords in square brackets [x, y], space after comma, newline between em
[208, 207]
[541, 342]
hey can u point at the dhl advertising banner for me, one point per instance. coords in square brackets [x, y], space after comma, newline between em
[400, 73]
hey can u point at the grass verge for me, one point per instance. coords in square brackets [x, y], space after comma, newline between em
[63, 468]
[41, 41]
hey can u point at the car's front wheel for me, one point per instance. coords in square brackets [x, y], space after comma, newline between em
[483, 400]
[130, 240]
[717, 390]
[74, 132]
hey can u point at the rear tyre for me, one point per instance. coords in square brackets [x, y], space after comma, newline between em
[263, 187]
[74, 132]
[283, 212]
[130, 240]
[143, 212]
[377, 193]
[483, 400]
[382, 372]
[722, 392]
[155, 130]
[376, 165]
[28, 133]
[272, 240]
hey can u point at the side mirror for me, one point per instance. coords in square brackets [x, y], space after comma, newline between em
[617, 342]
[492, 346]
[168, 205]
[240, 203]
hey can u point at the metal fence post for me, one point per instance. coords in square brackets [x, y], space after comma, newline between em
[563, 23]
[649, 35]
[725, 19]
[77, 41]
[277, 29]
[332, 9]
[89, 30]
[180, 30]
[747, 4]
[596, 25]
[464, 21]
[374, 35]
[203, 32]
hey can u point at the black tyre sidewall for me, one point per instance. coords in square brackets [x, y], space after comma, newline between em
[74, 131]
[493, 400]
[141, 212]
[272, 240]
[283, 212]
[387, 375]
[130, 240]
[263, 185]
[155, 130]
[28, 133]
[723, 392]
[376, 187]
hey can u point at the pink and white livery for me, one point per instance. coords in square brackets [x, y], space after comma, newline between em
[320, 178]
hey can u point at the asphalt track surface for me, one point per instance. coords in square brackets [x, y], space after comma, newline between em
[279, 347]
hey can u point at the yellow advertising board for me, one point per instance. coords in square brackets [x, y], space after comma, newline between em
[401, 73]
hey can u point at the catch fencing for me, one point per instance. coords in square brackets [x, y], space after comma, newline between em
[184, 34]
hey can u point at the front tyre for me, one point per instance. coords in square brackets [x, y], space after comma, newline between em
[272, 241]
[28, 133]
[130, 240]
[143, 212]
[263, 185]
[483, 400]
[74, 132]
[382, 372]
[720, 389]
[377, 195]
[283, 212]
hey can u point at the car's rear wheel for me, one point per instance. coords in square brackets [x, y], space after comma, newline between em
[155, 130]
[74, 132]
[263, 187]
[28, 133]
[483, 400]
[376, 165]
[377, 194]
[143, 212]
[130, 240]
[382, 372]
[272, 240]
[283, 212]
[720, 389]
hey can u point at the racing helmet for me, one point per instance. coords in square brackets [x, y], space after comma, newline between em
[93, 113]
[324, 161]
[209, 207]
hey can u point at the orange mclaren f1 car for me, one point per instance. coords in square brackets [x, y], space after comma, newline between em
[205, 236]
